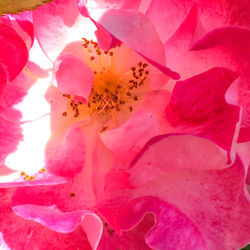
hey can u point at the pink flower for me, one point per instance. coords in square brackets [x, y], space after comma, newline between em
[133, 162]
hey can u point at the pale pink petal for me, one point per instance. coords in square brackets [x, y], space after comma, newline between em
[55, 27]
[198, 106]
[60, 222]
[10, 124]
[16, 90]
[171, 224]
[73, 76]
[65, 154]
[13, 51]
[110, 4]
[126, 140]
[132, 28]
[170, 153]
[10, 133]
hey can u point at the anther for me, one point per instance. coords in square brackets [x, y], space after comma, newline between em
[128, 94]
[43, 170]
[133, 68]
[130, 108]
[146, 72]
[64, 113]
[92, 58]
[32, 178]
[111, 53]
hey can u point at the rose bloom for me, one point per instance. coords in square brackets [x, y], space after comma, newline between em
[148, 144]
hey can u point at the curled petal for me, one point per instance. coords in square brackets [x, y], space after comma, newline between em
[171, 224]
[13, 51]
[160, 153]
[198, 104]
[73, 76]
[54, 219]
[126, 140]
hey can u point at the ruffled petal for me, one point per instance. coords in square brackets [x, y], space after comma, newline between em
[13, 51]
[160, 153]
[215, 201]
[32, 235]
[65, 154]
[171, 224]
[198, 106]
[60, 222]
[73, 76]
[126, 140]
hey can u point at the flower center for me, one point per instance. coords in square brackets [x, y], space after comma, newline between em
[119, 84]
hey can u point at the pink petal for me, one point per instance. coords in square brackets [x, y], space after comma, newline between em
[216, 14]
[160, 153]
[33, 235]
[105, 40]
[55, 27]
[181, 40]
[198, 107]
[208, 198]
[215, 202]
[60, 222]
[65, 154]
[171, 224]
[3, 78]
[126, 140]
[16, 90]
[225, 36]
[73, 76]
[132, 239]
[13, 51]
[167, 15]
[23, 25]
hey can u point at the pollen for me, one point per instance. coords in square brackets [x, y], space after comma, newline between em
[115, 89]
[43, 170]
